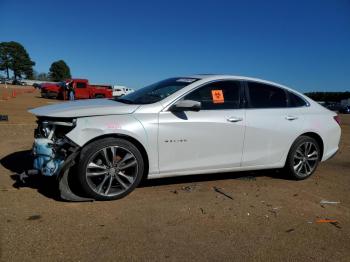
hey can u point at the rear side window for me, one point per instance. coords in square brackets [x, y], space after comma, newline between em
[266, 96]
[295, 100]
[217, 95]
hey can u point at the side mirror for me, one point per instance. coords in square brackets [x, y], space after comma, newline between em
[186, 105]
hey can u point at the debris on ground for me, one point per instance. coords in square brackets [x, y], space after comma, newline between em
[202, 210]
[336, 224]
[273, 212]
[189, 188]
[219, 190]
[4, 118]
[290, 230]
[326, 202]
[333, 222]
[326, 221]
[34, 217]
[174, 191]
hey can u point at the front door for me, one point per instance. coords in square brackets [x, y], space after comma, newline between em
[209, 139]
[81, 90]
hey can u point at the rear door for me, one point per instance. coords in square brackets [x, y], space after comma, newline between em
[209, 139]
[271, 124]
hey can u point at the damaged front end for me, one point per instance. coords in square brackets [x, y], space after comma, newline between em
[51, 148]
[54, 154]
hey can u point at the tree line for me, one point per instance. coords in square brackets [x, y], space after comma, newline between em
[328, 96]
[15, 58]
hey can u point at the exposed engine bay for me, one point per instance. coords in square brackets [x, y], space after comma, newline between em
[51, 148]
[54, 154]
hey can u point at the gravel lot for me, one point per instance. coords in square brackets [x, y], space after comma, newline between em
[270, 218]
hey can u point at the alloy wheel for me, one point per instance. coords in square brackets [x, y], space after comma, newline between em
[305, 159]
[111, 171]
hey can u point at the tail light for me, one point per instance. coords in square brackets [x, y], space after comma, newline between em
[337, 119]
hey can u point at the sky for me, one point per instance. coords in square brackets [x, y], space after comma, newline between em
[302, 44]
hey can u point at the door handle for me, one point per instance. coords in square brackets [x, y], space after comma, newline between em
[234, 119]
[291, 118]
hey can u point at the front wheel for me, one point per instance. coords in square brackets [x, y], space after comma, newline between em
[303, 158]
[110, 168]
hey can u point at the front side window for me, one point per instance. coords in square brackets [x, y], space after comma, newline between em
[156, 92]
[217, 95]
[266, 96]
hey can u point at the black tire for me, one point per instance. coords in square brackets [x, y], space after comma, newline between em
[99, 96]
[93, 150]
[296, 161]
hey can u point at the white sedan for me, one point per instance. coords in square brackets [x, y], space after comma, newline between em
[181, 126]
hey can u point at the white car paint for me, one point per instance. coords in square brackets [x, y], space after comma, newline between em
[204, 141]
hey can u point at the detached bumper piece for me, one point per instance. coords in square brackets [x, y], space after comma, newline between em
[54, 154]
[52, 159]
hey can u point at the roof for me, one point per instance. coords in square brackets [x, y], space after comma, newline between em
[219, 76]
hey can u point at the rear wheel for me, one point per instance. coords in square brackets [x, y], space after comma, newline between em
[110, 168]
[303, 158]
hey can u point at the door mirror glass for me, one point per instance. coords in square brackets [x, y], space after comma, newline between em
[186, 105]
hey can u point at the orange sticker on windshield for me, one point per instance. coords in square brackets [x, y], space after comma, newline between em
[218, 96]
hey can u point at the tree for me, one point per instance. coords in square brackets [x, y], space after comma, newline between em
[328, 96]
[5, 58]
[59, 71]
[15, 57]
[42, 77]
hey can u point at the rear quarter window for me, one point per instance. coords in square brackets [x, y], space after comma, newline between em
[295, 100]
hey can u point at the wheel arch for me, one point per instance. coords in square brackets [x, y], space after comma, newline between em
[318, 139]
[132, 140]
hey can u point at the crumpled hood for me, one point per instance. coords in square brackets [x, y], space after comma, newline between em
[89, 107]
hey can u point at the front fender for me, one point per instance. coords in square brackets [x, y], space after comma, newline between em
[88, 128]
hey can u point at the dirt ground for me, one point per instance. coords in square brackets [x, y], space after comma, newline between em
[270, 218]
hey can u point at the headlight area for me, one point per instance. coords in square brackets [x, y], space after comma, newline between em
[52, 150]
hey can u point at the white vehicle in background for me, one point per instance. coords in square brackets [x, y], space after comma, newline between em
[121, 90]
[181, 126]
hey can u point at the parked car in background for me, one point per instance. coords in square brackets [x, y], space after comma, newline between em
[345, 110]
[181, 126]
[37, 86]
[82, 88]
[51, 90]
[19, 82]
[121, 90]
[333, 106]
[8, 81]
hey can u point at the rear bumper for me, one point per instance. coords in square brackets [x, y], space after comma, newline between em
[330, 154]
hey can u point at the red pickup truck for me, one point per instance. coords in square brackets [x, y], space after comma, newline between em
[82, 88]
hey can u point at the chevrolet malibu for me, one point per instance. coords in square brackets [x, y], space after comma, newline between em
[181, 126]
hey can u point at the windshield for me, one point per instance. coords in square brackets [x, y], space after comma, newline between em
[156, 92]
